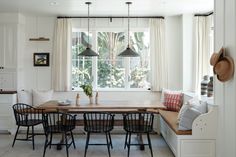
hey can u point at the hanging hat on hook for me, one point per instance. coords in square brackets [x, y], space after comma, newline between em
[215, 57]
[224, 69]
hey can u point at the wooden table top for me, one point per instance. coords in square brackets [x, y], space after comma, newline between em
[106, 105]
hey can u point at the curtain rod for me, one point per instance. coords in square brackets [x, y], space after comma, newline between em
[207, 14]
[161, 17]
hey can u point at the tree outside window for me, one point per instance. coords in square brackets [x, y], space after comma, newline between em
[111, 70]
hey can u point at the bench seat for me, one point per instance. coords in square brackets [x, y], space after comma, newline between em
[171, 119]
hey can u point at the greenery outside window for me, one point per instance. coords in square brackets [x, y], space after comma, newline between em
[108, 71]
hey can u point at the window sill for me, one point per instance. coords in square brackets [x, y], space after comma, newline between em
[117, 90]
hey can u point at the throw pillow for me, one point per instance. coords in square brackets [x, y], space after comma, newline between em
[187, 118]
[182, 110]
[40, 97]
[24, 97]
[164, 90]
[198, 105]
[173, 102]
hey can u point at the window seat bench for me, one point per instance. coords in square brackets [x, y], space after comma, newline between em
[198, 142]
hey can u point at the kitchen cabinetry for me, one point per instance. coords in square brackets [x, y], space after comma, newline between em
[8, 46]
[7, 121]
[8, 56]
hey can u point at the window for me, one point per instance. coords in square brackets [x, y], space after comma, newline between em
[108, 71]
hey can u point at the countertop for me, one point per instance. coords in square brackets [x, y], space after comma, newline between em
[7, 92]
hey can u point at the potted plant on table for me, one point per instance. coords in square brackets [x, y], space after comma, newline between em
[88, 90]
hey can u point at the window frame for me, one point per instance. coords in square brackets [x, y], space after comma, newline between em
[94, 32]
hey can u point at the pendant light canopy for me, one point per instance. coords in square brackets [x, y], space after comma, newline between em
[128, 52]
[88, 51]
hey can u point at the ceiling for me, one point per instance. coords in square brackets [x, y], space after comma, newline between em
[107, 7]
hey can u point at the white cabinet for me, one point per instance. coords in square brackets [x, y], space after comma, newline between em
[8, 46]
[8, 55]
[7, 121]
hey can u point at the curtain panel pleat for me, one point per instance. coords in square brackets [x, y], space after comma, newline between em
[202, 50]
[159, 65]
[61, 66]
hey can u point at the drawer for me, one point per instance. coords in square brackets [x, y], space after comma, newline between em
[199, 148]
[6, 123]
[6, 109]
[5, 98]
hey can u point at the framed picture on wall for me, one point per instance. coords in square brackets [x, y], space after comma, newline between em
[41, 59]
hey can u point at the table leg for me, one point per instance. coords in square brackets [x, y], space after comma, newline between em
[140, 141]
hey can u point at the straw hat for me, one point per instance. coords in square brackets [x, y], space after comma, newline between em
[224, 69]
[215, 57]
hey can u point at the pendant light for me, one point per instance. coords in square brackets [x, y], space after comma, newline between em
[128, 52]
[88, 51]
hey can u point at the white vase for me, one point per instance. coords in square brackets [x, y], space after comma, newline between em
[91, 100]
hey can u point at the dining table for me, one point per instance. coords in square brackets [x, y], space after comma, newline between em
[111, 106]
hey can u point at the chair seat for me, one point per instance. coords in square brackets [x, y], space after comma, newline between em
[29, 122]
[98, 129]
[59, 129]
[138, 129]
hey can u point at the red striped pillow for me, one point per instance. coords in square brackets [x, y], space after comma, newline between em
[173, 101]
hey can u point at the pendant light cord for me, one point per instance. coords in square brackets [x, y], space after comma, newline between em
[88, 3]
[88, 25]
[128, 24]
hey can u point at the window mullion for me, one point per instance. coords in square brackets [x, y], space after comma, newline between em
[127, 72]
[127, 65]
[94, 60]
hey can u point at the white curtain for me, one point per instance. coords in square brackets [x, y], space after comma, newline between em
[61, 68]
[202, 50]
[159, 75]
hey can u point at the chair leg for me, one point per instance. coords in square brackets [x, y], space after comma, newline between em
[87, 142]
[150, 144]
[110, 140]
[33, 136]
[27, 133]
[67, 153]
[126, 135]
[72, 137]
[15, 136]
[128, 145]
[108, 144]
[50, 142]
[45, 145]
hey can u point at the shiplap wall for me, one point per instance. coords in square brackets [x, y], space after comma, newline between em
[225, 35]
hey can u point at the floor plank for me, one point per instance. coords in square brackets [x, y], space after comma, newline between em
[24, 149]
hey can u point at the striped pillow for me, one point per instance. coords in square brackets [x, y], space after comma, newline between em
[173, 101]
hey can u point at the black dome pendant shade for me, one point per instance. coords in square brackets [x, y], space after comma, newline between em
[88, 51]
[128, 52]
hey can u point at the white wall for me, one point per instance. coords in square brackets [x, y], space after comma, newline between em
[187, 61]
[40, 77]
[225, 35]
[37, 77]
[174, 50]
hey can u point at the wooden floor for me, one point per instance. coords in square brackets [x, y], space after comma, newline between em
[24, 149]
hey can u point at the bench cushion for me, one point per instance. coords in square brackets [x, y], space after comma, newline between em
[170, 118]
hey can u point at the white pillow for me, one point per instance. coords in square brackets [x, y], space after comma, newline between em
[164, 90]
[187, 118]
[40, 97]
[198, 105]
[182, 110]
[25, 97]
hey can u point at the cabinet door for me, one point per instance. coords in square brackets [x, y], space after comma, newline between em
[8, 39]
[7, 81]
[10, 46]
[2, 54]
